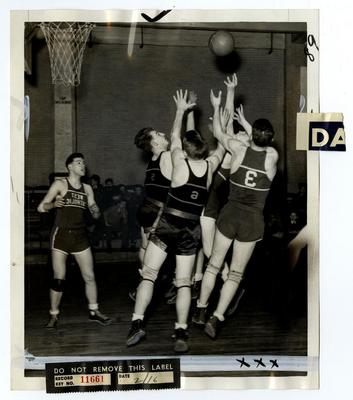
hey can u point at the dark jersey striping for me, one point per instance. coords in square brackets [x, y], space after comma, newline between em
[71, 215]
[249, 184]
[191, 197]
[156, 184]
[220, 181]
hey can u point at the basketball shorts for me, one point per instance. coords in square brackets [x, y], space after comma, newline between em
[146, 216]
[244, 225]
[69, 241]
[217, 198]
[178, 235]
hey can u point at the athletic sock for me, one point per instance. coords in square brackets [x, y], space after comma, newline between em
[182, 326]
[219, 316]
[136, 317]
[92, 308]
[200, 305]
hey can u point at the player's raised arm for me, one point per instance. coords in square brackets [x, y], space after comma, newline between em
[231, 83]
[182, 104]
[240, 117]
[229, 142]
[190, 121]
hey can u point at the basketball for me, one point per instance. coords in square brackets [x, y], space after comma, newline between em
[221, 43]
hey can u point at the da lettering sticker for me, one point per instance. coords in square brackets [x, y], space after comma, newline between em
[320, 132]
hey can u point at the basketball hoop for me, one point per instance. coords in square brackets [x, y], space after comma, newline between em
[66, 43]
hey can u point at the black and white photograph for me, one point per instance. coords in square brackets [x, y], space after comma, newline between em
[166, 209]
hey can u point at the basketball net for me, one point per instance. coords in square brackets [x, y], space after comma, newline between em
[66, 43]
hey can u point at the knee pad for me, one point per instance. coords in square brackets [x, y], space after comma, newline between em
[57, 285]
[182, 282]
[235, 276]
[212, 269]
[149, 274]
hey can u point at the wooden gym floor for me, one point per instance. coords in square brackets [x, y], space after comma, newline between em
[266, 322]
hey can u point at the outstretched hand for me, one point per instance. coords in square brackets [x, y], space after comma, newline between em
[181, 101]
[231, 82]
[216, 100]
[239, 115]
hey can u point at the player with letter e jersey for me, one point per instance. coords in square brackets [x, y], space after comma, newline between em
[241, 220]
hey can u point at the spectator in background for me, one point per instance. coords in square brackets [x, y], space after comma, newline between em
[108, 182]
[116, 222]
[135, 201]
[122, 190]
[139, 193]
[95, 182]
[108, 194]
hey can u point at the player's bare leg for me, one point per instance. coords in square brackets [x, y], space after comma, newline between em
[220, 248]
[153, 260]
[242, 252]
[200, 259]
[144, 242]
[55, 293]
[85, 262]
[208, 227]
[184, 267]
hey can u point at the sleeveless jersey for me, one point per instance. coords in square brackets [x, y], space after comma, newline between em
[220, 177]
[249, 184]
[189, 199]
[71, 215]
[156, 184]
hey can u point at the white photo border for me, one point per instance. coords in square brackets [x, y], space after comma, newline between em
[18, 20]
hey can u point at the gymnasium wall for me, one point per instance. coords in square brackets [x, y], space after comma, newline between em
[39, 150]
[118, 95]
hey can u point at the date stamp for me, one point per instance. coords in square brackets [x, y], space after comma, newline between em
[113, 375]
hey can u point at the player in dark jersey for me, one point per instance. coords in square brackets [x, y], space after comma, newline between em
[157, 183]
[179, 227]
[71, 198]
[157, 180]
[241, 220]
